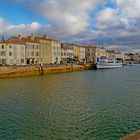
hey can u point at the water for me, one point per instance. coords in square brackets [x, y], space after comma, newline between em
[88, 105]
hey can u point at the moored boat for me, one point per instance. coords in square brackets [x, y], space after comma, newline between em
[130, 63]
[105, 63]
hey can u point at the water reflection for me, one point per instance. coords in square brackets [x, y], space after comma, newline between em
[102, 104]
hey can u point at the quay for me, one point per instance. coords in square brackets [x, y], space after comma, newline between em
[133, 136]
[27, 71]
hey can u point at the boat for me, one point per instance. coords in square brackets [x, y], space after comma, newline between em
[130, 63]
[104, 63]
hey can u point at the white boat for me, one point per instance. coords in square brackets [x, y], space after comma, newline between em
[104, 63]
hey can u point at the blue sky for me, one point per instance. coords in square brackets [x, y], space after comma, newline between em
[17, 14]
[113, 23]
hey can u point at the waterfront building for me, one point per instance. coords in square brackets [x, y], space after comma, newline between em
[128, 57]
[69, 50]
[76, 53]
[101, 52]
[63, 54]
[55, 51]
[110, 54]
[90, 54]
[115, 54]
[45, 51]
[15, 52]
[3, 53]
[82, 54]
[136, 57]
[31, 48]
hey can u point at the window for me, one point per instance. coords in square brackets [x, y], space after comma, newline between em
[2, 46]
[37, 53]
[32, 53]
[37, 47]
[3, 61]
[10, 53]
[22, 60]
[10, 46]
[3, 53]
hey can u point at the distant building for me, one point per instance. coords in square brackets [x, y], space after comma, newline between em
[128, 57]
[101, 52]
[115, 54]
[136, 57]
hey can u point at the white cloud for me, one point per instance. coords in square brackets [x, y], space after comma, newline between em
[67, 17]
[71, 19]
[8, 29]
[108, 19]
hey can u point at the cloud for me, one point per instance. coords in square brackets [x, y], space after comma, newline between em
[10, 29]
[66, 17]
[91, 22]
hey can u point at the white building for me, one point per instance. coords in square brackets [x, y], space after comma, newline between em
[82, 54]
[21, 51]
[12, 53]
[55, 51]
[16, 54]
[69, 50]
[63, 54]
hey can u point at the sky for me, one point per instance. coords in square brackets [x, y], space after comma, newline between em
[113, 24]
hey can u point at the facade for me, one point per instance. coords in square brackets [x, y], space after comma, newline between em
[115, 54]
[45, 51]
[110, 54]
[12, 53]
[15, 54]
[3, 53]
[31, 48]
[90, 52]
[55, 51]
[63, 54]
[69, 50]
[136, 57]
[19, 50]
[101, 52]
[76, 53]
[128, 57]
[82, 54]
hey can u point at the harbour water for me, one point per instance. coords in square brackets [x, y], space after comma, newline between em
[87, 105]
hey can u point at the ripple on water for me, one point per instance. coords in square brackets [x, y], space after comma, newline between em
[90, 105]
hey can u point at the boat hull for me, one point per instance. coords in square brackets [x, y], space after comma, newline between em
[108, 66]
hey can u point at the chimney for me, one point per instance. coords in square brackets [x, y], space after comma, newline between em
[19, 36]
[45, 36]
[32, 37]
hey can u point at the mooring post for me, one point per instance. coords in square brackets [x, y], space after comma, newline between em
[41, 72]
